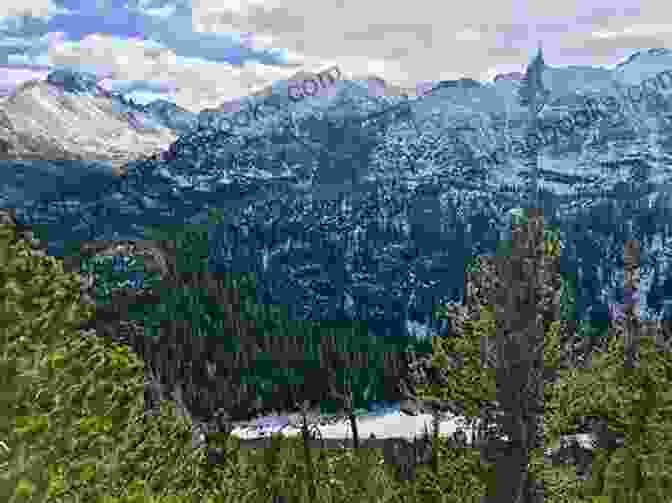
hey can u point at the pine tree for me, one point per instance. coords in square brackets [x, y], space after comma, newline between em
[625, 385]
[72, 405]
[635, 402]
[475, 387]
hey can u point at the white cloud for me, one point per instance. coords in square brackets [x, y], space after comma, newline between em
[434, 39]
[197, 83]
[468, 35]
[35, 8]
[398, 43]
[18, 75]
[637, 30]
[429, 41]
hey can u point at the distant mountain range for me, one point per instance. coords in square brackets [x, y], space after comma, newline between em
[353, 204]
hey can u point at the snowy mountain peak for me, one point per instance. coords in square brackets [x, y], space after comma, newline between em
[41, 121]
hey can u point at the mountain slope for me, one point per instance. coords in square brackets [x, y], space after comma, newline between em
[353, 206]
[437, 150]
[47, 120]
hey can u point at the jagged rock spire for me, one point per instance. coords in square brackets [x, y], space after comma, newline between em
[533, 95]
[532, 85]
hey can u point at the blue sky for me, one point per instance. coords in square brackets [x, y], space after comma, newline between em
[200, 53]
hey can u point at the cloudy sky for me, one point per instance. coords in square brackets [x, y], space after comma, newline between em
[200, 53]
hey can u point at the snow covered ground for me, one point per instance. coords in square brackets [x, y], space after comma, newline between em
[389, 424]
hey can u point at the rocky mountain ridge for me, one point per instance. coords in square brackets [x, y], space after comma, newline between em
[398, 192]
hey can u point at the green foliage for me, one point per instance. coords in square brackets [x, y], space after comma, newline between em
[72, 406]
[636, 403]
[39, 317]
[72, 426]
[469, 387]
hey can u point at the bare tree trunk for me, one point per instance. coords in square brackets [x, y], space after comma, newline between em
[631, 302]
[346, 399]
